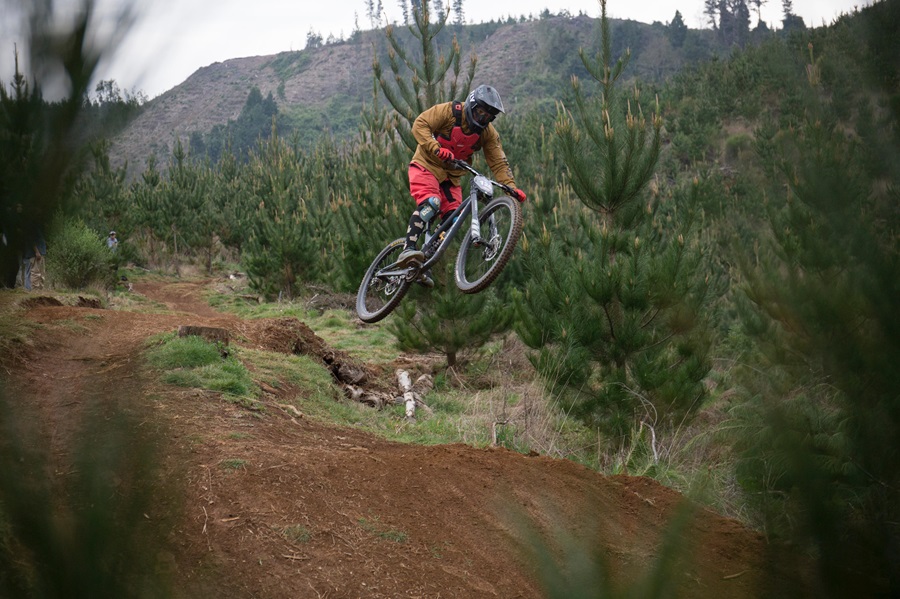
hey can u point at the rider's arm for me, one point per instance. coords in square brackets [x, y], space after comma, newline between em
[431, 122]
[496, 157]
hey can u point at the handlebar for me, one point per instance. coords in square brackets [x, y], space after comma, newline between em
[463, 165]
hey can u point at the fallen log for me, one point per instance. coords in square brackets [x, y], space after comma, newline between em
[412, 393]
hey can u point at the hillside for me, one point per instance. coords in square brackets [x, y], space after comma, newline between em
[323, 89]
[267, 502]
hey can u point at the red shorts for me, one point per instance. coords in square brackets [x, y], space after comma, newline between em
[424, 185]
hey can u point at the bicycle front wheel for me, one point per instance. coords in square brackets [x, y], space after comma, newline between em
[382, 288]
[480, 261]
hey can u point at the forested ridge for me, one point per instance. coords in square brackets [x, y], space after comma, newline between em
[708, 277]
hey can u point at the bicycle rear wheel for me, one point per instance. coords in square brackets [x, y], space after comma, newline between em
[480, 262]
[382, 289]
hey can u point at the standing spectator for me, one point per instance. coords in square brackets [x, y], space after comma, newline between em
[32, 254]
[111, 242]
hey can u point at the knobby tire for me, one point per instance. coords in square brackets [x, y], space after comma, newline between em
[478, 266]
[377, 297]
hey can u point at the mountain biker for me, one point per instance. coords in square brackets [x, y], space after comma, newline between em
[452, 130]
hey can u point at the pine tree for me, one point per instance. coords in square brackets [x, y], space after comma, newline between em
[741, 23]
[757, 4]
[441, 319]
[726, 23]
[282, 252]
[458, 11]
[677, 30]
[404, 7]
[100, 195]
[183, 194]
[711, 10]
[617, 321]
[422, 78]
[455, 324]
[233, 198]
[147, 206]
[374, 206]
[791, 21]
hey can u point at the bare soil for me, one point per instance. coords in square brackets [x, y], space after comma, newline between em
[276, 505]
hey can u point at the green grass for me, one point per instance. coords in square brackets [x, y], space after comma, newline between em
[296, 533]
[233, 464]
[376, 528]
[193, 362]
[183, 352]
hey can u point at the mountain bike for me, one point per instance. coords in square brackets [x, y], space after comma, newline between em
[494, 227]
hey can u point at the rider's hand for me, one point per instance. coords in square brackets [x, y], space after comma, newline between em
[444, 154]
[519, 194]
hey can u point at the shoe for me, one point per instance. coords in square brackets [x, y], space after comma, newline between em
[410, 256]
[425, 280]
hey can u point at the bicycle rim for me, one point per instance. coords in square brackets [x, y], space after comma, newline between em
[479, 263]
[379, 295]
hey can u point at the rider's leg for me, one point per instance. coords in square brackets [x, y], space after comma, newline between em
[424, 188]
[415, 230]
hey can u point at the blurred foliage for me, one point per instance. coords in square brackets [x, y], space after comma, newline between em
[91, 525]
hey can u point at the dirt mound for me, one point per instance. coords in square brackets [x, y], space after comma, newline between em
[276, 505]
[290, 336]
[37, 302]
[89, 302]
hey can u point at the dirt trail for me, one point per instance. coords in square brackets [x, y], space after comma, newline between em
[316, 511]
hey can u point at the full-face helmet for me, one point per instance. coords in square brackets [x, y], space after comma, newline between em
[482, 106]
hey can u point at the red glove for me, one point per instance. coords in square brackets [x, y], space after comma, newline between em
[445, 154]
[519, 195]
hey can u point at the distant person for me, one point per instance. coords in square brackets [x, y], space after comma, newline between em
[33, 254]
[444, 132]
[112, 242]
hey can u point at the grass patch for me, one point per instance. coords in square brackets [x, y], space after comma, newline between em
[296, 533]
[376, 528]
[233, 464]
[193, 362]
[15, 331]
[184, 352]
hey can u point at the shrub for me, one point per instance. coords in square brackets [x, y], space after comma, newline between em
[77, 257]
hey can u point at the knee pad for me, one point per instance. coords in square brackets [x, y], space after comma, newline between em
[429, 208]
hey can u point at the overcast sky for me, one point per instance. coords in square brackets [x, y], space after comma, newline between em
[173, 38]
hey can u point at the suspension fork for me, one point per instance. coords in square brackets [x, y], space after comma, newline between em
[475, 226]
